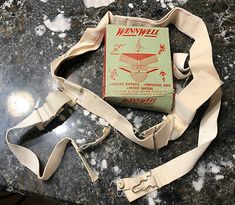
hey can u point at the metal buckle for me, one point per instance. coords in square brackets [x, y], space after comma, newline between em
[137, 188]
[44, 122]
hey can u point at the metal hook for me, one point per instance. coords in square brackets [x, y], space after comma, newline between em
[136, 188]
[119, 193]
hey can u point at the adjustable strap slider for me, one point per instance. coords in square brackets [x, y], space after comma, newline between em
[162, 132]
[51, 108]
[44, 114]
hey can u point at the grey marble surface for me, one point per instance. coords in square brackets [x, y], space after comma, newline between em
[28, 43]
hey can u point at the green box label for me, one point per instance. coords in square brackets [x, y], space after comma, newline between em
[137, 67]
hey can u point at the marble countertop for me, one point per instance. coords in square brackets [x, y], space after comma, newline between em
[33, 33]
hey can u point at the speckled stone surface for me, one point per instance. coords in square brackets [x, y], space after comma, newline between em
[25, 81]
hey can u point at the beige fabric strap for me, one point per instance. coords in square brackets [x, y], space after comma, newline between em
[179, 71]
[39, 118]
[205, 85]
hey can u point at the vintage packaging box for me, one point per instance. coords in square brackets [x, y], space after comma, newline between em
[137, 68]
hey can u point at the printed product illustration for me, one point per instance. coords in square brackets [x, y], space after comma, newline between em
[137, 67]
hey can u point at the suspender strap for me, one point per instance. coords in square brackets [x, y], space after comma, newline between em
[205, 85]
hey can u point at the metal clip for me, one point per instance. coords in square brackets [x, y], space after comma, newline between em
[137, 187]
[119, 193]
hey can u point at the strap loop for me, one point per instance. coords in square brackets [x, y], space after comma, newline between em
[178, 66]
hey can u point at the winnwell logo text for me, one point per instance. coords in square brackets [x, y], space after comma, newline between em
[146, 32]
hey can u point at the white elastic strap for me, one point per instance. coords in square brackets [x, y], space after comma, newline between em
[40, 118]
[179, 70]
[187, 102]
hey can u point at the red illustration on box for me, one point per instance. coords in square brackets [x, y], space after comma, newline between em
[163, 74]
[113, 74]
[138, 63]
[162, 49]
[116, 49]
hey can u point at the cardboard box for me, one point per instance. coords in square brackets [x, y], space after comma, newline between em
[137, 68]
